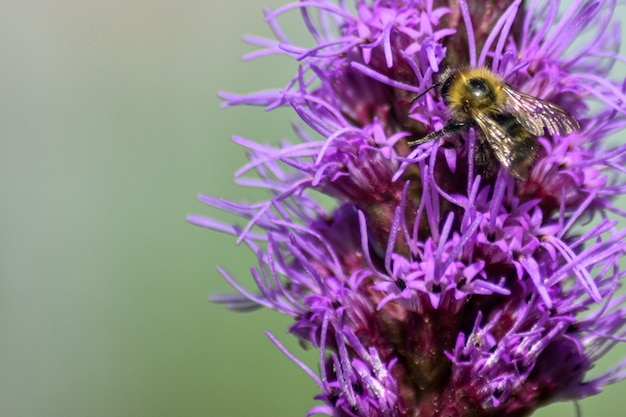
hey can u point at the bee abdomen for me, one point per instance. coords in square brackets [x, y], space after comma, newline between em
[518, 150]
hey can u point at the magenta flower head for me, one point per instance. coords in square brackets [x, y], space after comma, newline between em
[470, 263]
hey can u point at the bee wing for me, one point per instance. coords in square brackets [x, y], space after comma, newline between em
[536, 114]
[512, 144]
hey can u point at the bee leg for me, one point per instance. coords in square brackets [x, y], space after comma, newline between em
[450, 128]
[486, 163]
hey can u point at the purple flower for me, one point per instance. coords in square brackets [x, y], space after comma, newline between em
[435, 287]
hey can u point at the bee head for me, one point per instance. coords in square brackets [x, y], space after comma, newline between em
[446, 80]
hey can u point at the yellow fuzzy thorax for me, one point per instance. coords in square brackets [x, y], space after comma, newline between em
[465, 95]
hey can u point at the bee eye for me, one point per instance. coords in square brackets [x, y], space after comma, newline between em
[445, 88]
[478, 87]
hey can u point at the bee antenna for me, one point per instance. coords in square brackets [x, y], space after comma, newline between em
[417, 97]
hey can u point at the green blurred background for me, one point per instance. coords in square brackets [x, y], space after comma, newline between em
[110, 126]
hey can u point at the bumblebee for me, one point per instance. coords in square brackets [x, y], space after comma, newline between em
[510, 121]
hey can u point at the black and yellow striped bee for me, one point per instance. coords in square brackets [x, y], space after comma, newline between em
[510, 121]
